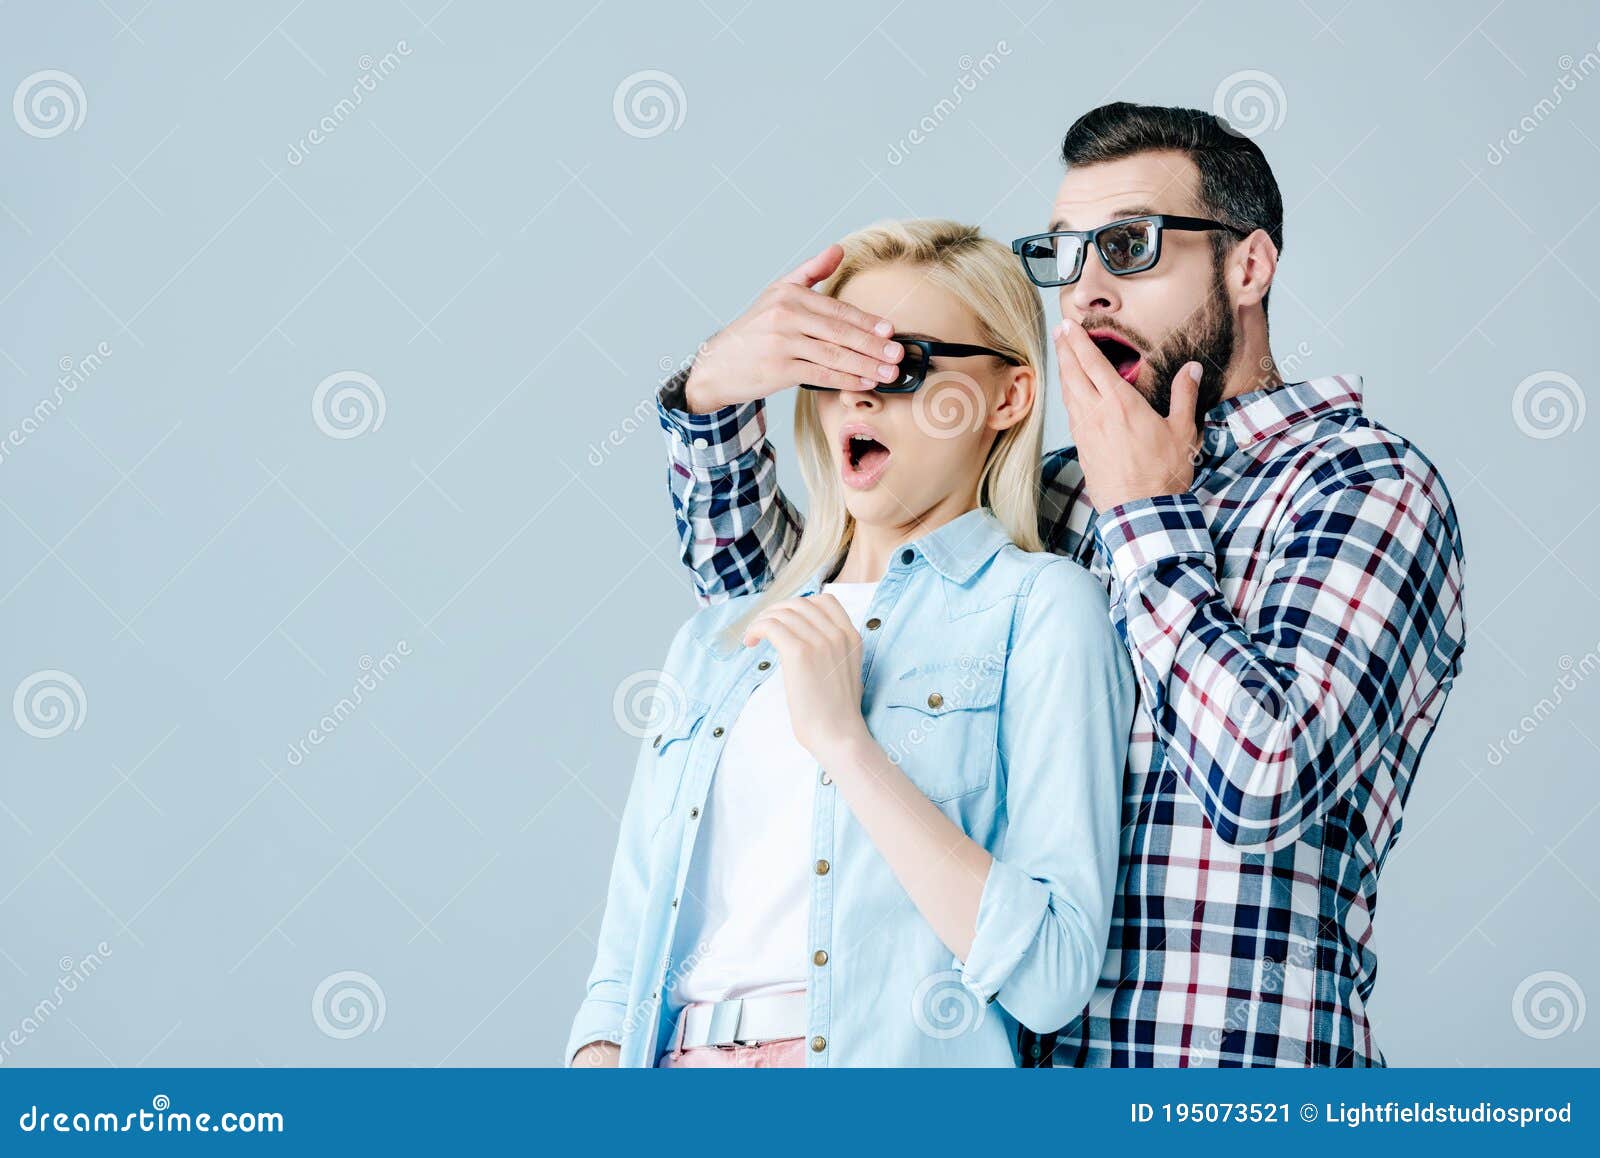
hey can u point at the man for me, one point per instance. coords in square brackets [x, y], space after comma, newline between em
[1285, 573]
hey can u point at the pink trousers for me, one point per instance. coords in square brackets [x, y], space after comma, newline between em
[789, 1052]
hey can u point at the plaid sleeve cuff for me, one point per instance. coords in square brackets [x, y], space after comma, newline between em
[710, 441]
[1145, 531]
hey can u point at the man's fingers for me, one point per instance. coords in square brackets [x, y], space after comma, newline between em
[809, 272]
[1185, 395]
[838, 322]
[814, 375]
[1077, 390]
[1091, 361]
[835, 357]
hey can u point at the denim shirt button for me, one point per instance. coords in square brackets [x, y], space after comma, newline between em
[764, 665]
[874, 623]
[818, 1044]
[907, 555]
[935, 699]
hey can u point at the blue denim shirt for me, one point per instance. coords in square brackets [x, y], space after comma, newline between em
[993, 677]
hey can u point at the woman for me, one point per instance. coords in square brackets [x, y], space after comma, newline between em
[881, 826]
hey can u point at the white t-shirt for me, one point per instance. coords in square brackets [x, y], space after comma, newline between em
[742, 931]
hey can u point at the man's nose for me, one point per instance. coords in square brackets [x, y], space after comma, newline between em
[858, 401]
[1095, 290]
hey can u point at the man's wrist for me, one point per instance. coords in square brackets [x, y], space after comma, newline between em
[674, 391]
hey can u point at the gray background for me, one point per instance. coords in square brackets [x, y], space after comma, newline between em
[515, 270]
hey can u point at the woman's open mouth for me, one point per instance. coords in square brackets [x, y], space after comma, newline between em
[863, 455]
[1124, 358]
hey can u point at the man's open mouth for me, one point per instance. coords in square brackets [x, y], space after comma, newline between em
[864, 455]
[1124, 358]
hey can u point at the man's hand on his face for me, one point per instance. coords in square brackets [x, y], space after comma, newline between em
[1127, 450]
[790, 335]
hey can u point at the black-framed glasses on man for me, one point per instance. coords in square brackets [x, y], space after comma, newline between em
[1131, 245]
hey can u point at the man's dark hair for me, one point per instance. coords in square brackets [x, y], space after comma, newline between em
[1236, 183]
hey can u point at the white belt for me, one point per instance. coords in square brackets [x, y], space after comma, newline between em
[741, 1021]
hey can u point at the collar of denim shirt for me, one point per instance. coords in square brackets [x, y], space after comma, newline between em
[956, 550]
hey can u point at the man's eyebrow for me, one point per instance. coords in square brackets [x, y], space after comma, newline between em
[1117, 215]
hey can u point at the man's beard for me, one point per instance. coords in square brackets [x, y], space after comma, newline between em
[1207, 338]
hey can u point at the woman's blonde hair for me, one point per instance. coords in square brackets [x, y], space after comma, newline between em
[983, 275]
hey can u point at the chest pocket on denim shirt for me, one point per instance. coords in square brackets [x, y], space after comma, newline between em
[671, 753]
[940, 723]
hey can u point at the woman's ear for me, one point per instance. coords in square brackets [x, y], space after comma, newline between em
[1016, 400]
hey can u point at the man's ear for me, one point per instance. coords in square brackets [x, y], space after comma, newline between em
[1251, 267]
[1018, 401]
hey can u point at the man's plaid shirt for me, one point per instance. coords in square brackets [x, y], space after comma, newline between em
[1295, 625]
